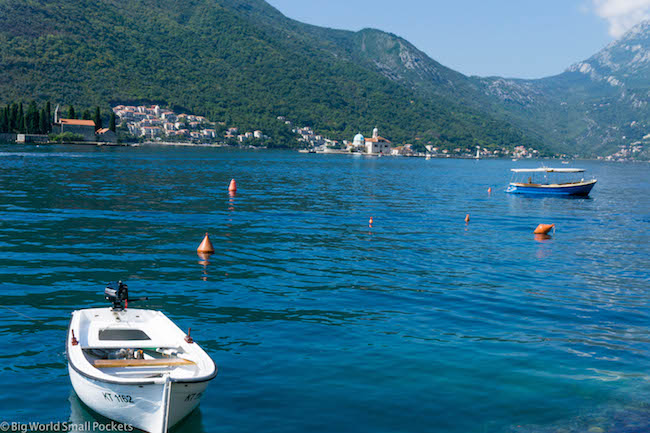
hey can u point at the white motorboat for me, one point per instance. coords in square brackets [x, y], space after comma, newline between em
[135, 366]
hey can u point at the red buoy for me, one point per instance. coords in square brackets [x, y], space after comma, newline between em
[233, 186]
[467, 218]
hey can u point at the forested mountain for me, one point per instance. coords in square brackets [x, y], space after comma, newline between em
[243, 62]
[238, 61]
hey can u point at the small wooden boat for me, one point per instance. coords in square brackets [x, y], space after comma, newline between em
[543, 181]
[135, 366]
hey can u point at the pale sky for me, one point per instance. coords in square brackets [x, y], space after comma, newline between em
[508, 38]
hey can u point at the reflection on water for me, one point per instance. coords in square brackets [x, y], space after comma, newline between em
[82, 416]
[319, 320]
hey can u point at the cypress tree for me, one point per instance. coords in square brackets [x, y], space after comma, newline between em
[43, 123]
[98, 119]
[31, 119]
[48, 119]
[71, 112]
[3, 120]
[13, 113]
[21, 119]
[111, 124]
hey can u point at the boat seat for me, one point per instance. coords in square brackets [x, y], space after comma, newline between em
[159, 362]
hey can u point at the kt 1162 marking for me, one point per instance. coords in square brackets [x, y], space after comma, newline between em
[120, 398]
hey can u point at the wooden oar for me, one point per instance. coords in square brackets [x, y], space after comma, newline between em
[159, 362]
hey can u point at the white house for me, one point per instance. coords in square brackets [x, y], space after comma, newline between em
[378, 144]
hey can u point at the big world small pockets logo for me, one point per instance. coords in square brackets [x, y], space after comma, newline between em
[87, 426]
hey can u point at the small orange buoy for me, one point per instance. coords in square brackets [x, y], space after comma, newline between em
[467, 218]
[206, 246]
[233, 186]
[370, 222]
[490, 190]
[543, 229]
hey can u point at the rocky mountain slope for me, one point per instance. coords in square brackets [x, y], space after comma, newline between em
[593, 107]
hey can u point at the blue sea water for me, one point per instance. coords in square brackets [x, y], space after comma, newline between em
[318, 322]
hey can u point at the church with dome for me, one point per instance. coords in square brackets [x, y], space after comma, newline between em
[376, 145]
[359, 141]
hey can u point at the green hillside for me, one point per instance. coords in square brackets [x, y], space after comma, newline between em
[236, 61]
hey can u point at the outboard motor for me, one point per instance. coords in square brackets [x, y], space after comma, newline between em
[118, 294]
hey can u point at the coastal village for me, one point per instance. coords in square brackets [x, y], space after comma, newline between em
[378, 145]
[152, 123]
[158, 124]
[630, 152]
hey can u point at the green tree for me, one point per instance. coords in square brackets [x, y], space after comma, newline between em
[111, 123]
[48, 109]
[86, 115]
[98, 118]
[71, 114]
[13, 117]
[21, 119]
[31, 119]
[43, 122]
[3, 120]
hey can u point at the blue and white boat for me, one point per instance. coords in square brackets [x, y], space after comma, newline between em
[549, 181]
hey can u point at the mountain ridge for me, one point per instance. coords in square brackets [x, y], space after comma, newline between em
[235, 61]
[594, 106]
[244, 62]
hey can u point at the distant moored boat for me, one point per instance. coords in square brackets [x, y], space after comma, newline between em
[546, 181]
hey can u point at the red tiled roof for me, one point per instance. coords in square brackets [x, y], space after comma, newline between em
[102, 131]
[77, 122]
[376, 140]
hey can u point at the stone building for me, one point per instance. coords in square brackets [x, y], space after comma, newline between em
[105, 135]
[85, 128]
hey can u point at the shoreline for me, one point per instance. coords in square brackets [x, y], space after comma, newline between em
[305, 151]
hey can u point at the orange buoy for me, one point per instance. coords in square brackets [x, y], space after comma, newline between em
[206, 246]
[543, 229]
[467, 218]
[490, 190]
[370, 222]
[233, 186]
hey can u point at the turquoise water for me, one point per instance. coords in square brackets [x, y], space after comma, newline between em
[319, 323]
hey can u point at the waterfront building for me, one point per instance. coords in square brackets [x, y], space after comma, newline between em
[151, 131]
[378, 144]
[105, 135]
[85, 128]
[358, 141]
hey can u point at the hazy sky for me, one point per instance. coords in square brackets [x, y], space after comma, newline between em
[510, 38]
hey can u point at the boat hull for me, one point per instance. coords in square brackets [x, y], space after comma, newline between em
[582, 189]
[139, 405]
